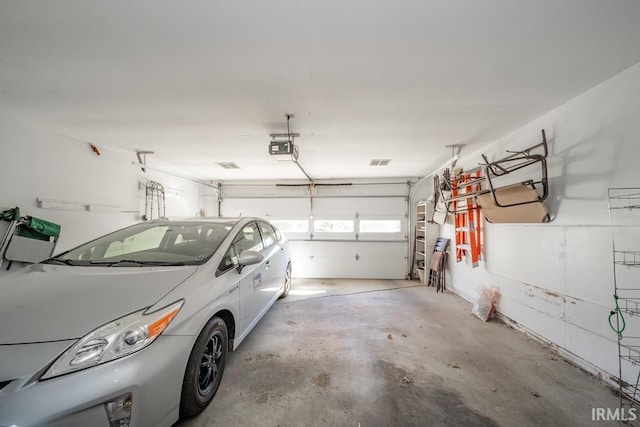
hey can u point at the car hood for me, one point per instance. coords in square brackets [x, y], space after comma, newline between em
[49, 302]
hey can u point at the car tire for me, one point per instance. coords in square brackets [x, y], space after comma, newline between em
[287, 282]
[204, 368]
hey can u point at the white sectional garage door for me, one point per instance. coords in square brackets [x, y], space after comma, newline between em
[334, 235]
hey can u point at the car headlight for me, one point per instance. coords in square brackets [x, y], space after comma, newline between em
[114, 340]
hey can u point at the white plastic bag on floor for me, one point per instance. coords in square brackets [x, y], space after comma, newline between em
[486, 303]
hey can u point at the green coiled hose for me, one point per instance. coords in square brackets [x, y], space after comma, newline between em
[620, 316]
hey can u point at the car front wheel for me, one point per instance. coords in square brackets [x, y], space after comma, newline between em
[204, 368]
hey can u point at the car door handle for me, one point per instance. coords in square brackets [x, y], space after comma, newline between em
[267, 264]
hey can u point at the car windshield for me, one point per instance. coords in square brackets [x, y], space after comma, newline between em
[151, 243]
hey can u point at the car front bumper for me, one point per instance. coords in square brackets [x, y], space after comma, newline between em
[153, 376]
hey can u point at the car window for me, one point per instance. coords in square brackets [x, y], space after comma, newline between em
[187, 237]
[249, 239]
[278, 233]
[153, 243]
[229, 260]
[147, 239]
[215, 235]
[268, 235]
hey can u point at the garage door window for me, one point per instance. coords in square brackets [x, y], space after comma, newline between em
[380, 226]
[333, 226]
[292, 225]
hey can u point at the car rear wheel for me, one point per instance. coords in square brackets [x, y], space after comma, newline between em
[204, 368]
[287, 282]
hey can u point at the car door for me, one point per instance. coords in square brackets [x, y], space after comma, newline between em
[275, 264]
[251, 280]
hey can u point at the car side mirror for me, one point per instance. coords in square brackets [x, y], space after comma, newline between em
[249, 258]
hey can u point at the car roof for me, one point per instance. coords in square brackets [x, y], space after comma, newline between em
[207, 220]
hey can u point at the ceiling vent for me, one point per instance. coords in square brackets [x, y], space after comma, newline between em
[379, 162]
[228, 165]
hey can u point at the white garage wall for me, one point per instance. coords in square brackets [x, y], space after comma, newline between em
[41, 164]
[556, 279]
[332, 255]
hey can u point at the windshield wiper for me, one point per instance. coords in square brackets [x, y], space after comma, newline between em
[120, 262]
[59, 261]
[134, 263]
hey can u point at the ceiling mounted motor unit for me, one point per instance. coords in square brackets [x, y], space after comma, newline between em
[282, 144]
[281, 147]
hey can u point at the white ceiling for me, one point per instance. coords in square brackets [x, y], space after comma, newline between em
[200, 82]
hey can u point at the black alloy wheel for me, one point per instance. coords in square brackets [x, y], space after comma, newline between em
[204, 368]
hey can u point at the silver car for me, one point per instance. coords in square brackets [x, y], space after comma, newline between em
[133, 328]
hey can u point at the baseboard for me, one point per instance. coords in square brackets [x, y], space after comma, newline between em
[568, 356]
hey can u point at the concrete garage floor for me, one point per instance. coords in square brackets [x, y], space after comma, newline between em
[393, 352]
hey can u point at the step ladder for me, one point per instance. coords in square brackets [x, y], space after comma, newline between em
[154, 201]
[466, 213]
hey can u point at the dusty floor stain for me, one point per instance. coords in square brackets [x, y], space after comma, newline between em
[411, 404]
[323, 380]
